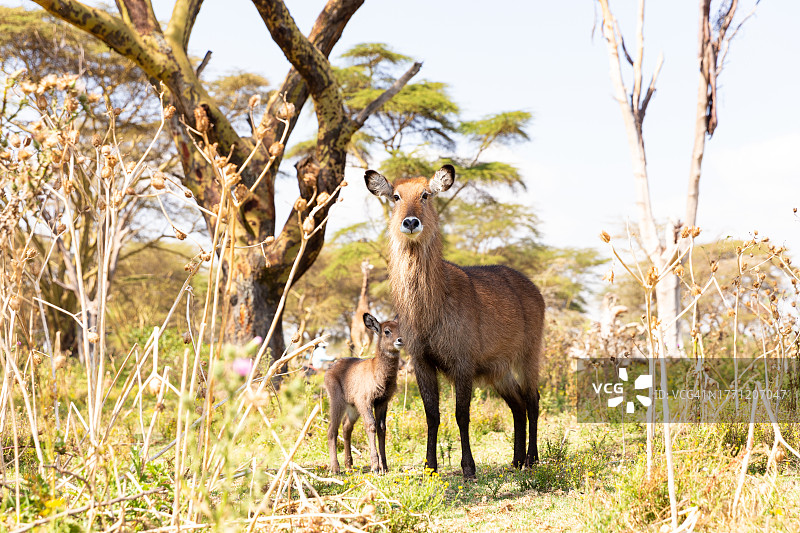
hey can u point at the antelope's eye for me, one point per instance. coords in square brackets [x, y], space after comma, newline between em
[425, 196]
[387, 332]
[396, 197]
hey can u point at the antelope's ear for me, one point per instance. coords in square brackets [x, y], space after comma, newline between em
[442, 180]
[377, 184]
[372, 323]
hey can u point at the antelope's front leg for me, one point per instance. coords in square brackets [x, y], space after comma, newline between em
[380, 421]
[429, 391]
[369, 421]
[463, 386]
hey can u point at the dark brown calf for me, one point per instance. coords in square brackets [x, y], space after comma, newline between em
[363, 387]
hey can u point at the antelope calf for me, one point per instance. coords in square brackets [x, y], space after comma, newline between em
[469, 323]
[363, 387]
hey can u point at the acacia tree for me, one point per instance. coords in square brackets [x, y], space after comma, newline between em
[261, 267]
[663, 250]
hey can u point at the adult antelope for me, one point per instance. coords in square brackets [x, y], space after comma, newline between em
[470, 323]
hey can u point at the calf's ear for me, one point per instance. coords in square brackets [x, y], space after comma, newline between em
[372, 323]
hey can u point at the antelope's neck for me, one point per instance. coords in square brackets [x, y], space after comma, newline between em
[386, 366]
[416, 271]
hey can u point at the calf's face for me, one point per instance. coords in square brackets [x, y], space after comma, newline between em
[389, 339]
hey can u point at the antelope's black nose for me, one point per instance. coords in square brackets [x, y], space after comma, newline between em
[411, 224]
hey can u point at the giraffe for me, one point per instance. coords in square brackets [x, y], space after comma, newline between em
[360, 335]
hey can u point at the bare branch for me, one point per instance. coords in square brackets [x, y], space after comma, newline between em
[111, 30]
[637, 63]
[652, 88]
[140, 15]
[301, 53]
[387, 95]
[203, 64]
[182, 21]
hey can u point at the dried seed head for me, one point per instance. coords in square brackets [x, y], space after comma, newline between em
[731, 313]
[117, 111]
[101, 204]
[261, 131]
[605, 237]
[116, 198]
[112, 161]
[71, 105]
[130, 191]
[286, 111]
[254, 100]
[73, 136]
[202, 124]
[296, 337]
[187, 337]
[169, 112]
[714, 266]
[696, 290]
[310, 179]
[52, 140]
[93, 98]
[179, 234]
[24, 154]
[37, 358]
[685, 232]
[93, 337]
[322, 198]
[14, 140]
[61, 228]
[157, 181]
[609, 277]
[652, 276]
[679, 271]
[308, 224]
[106, 173]
[276, 149]
[206, 256]
[695, 231]
[5, 155]
[269, 240]
[300, 205]
[15, 303]
[187, 193]
[241, 192]
[344, 184]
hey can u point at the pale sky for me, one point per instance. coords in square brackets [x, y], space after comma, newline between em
[543, 57]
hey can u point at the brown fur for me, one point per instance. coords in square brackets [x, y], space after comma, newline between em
[470, 323]
[361, 335]
[363, 387]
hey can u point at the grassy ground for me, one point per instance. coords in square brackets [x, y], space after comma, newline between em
[591, 476]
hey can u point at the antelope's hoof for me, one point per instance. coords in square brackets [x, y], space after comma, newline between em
[469, 473]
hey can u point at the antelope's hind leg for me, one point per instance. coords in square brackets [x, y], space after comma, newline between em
[350, 419]
[532, 403]
[511, 393]
[337, 412]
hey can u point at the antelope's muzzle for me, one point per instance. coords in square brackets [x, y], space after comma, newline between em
[411, 226]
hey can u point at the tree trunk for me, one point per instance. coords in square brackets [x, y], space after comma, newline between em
[668, 307]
